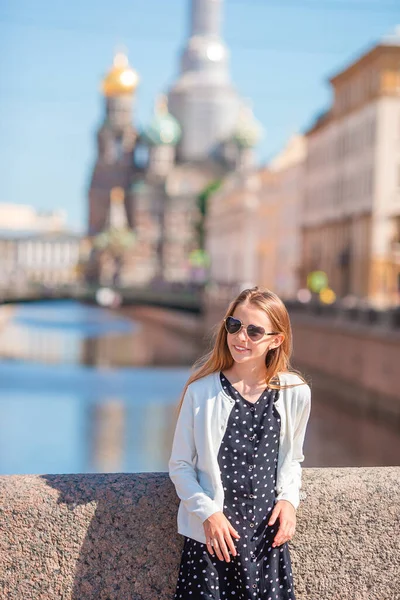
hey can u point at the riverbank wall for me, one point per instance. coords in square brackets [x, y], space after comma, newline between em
[113, 536]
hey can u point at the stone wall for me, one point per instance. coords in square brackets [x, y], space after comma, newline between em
[113, 536]
[365, 356]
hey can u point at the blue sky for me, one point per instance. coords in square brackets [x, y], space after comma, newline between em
[53, 55]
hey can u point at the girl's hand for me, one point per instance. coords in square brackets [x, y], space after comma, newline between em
[287, 521]
[219, 534]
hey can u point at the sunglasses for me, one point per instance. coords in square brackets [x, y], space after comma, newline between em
[254, 332]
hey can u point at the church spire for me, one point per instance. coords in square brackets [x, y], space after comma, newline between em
[117, 216]
[205, 51]
[203, 100]
[206, 17]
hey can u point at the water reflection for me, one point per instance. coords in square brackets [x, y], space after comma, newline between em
[85, 390]
[63, 419]
[74, 396]
[67, 332]
[56, 332]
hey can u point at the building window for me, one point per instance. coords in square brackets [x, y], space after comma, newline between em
[372, 131]
[346, 97]
[141, 156]
[396, 230]
[370, 181]
[118, 150]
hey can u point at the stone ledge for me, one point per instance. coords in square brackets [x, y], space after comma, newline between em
[113, 536]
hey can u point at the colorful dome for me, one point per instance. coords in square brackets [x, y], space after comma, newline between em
[138, 186]
[248, 130]
[163, 129]
[121, 79]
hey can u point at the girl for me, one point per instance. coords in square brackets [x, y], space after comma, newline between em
[236, 456]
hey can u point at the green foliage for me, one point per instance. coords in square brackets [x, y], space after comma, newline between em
[202, 202]
[206, 193]
[114, 240]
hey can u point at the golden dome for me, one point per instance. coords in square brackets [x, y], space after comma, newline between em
[121, 79]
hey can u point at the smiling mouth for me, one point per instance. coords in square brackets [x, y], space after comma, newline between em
[241, 348]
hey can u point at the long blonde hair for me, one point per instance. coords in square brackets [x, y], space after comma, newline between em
[277, 360]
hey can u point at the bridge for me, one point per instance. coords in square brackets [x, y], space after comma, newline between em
[176, 297]
[194, 298]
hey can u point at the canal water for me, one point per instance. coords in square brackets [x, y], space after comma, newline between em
[85, 389]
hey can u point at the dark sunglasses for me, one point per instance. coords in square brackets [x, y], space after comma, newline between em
[255, 332]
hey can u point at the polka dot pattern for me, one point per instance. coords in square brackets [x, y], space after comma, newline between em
[247, 459]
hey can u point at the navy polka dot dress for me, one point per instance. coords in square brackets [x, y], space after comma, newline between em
[247, 459]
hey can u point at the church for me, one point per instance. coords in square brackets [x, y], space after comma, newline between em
[144, 213]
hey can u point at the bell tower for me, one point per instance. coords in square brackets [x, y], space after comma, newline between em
[116, 139]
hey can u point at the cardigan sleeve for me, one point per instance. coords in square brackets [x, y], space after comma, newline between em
[181, 465]
[291, 489]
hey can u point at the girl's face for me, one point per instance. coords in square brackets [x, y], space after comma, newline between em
[242, 348]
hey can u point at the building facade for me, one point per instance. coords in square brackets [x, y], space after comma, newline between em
[231, 234]
[31, 259]
[279, 219]
[351, 218]
[254, 225]
[36, 249]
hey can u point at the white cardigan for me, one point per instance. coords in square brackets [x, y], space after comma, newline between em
[202, 421]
